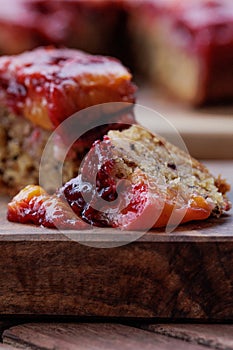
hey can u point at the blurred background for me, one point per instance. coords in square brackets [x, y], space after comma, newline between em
[180, 54]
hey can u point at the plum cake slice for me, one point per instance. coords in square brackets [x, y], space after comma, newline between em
[39, 89]
[132, 180]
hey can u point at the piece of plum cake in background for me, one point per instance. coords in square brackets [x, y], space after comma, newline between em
[39, 89]
[82, 24]
[188, 47]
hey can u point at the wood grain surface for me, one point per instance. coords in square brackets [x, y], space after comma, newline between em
[217, 336]
[6, 347]
[89, 336]
[207, 131]
[187, 274]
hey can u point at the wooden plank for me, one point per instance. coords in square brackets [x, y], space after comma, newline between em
[7, 347]
[218, 229]
[217, 336]
[207, 131]
[186, 274]
[144, 279]
[6, 324]
[90, 336]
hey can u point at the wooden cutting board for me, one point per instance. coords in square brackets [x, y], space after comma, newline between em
[207, 131]
[185, 274]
